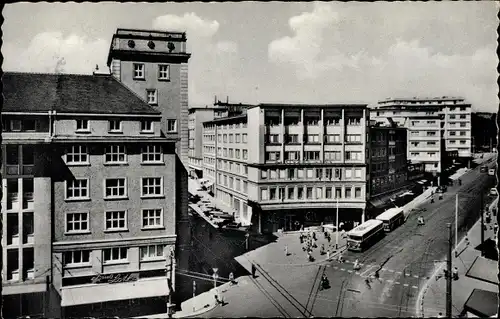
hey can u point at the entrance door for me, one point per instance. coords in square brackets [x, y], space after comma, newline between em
[288, 223]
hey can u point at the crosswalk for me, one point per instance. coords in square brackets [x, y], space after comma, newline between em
[368, 271]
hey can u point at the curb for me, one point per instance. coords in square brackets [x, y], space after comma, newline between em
[196, 313]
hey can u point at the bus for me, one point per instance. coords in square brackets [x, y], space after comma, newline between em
[365, 235]
[392, 218]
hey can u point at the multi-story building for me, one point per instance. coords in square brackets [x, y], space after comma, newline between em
[484, 131]
[387, 165]
[154, 65]
[296, 165]
[197, 147]
[97, 206]
[429, 122]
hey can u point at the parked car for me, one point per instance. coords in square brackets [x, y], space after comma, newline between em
[493, 192]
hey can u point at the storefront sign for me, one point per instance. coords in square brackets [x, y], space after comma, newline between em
[114, 278]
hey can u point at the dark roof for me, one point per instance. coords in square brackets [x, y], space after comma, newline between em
[282, 105]
[70, 93]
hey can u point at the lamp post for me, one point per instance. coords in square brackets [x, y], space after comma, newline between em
[337, 226]
[169, 282]
[215, 276]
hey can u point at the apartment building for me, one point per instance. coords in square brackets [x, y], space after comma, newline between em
[91, 197]
[429, 121]
[387, 165]
[198, 115]
[291, 164]
[484, 131]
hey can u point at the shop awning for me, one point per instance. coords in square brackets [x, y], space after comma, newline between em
[380, 201]
[482, 303]
[484, 269]
[95, 293]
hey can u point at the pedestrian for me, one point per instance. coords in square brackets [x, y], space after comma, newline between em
[455, 273]
[253, 270]
[314, 243]
[314, 236]
[328, 238]
[322, 249]
[231, 279]
[286, 250]
[495, 228]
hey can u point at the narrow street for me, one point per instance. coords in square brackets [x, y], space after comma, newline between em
[404, 258]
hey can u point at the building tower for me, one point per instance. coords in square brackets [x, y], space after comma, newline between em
[154, 65]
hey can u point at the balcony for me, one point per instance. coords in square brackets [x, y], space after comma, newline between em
[28, 202]
[30, 274]
[13, 240]
[13, 201]
[13, 275]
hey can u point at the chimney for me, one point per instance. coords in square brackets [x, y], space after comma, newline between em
[227, 100]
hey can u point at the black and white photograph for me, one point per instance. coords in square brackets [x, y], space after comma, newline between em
[289, 159]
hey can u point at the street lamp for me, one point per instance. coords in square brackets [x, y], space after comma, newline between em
[337, 227]
[169, 282]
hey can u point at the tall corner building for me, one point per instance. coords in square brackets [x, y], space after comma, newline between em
[154, 65]
[281, 166]
[438, 128]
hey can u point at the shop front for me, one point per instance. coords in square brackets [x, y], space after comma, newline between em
[119, 294]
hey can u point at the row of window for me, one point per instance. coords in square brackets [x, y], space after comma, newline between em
[309, 192]
[454, 133]
[314, 156]
[209, 138]
[19, 125]
[462, 116]
[462, 142]
[114, 255]
[114, 188]
[233, 183]
[428, 143]
[114, 154]
[232, 138]
[140, 71]
[311, 173]
[454, 124]
[232, 167]
[232, 153]
[209, 149]
[309, 120]
[116, 220]
[229, 126]
[430, 154]
[313, 138]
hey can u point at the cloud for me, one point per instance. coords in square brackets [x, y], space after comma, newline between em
[213, 65]
[49, 52]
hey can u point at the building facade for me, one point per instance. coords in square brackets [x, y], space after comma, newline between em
[198, 115]
[484, 131]
[294, 166]
[91, 201]
[435, 126]
[387, 166]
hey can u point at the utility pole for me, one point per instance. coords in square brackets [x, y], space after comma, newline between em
[170, 285]
[456, 225]
[448, 275]
[482, 225]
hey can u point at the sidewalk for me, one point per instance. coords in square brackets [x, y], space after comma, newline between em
[432, 298]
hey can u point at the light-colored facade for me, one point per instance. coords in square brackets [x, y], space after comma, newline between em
[198, 115]
[435, 126]
[291, 163]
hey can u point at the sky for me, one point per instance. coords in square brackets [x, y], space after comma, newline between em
[280, 52]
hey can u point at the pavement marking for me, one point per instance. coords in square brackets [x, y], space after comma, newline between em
[367, 271]
[414, 287]
[399, 272]
[349, 271]
[335, 267]
[390, 280]
[407, 275]
[357, 272]
[391, 270]
[342, 269]
[397, 283]
[384, 269]
[415, 276]
[406, 285]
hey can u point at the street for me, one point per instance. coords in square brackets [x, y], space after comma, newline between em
[405, 258]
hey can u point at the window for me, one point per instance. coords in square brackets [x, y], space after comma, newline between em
[452, 116]
[115, 154]
[415, 133]
[152, 252]
[309, 192]
[328, 193]
[332, 156]
[117, 254]
[77, 222]
[431, 143]
[462, 133]
[311, 155]
[116, 220]
[15, 125]
[29, 125]
[461, 142]
[328, 173]
[171, 126]
[115, 126]
[163, 72]
[244, 138]
[332, 138]
[263, 194]
[463, 116]
[312, 121]
[147, 126]
[231, 138]
[290, 192]
[292, 156]
[338, 193]
[300, 192]
[245, 154]
[77, 154]
[293, 138]
[82, 125]
[353, 138]
[138, 71]
[354, 121]
[319, 192]
[357, 192]
[332, 121]
[463, 124]
[152, 154]
[431, 133]
[453, 133]
[310, 173]
[357, 173]
[237, 153]
[338, 173]
[348, 173]
[245, 186]
[152, 186]
[273, 138]
[348, 192]
[313, 138]
[115, 188]
[152, 96]
[77, 189]
[76, 257]
[353, 156]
